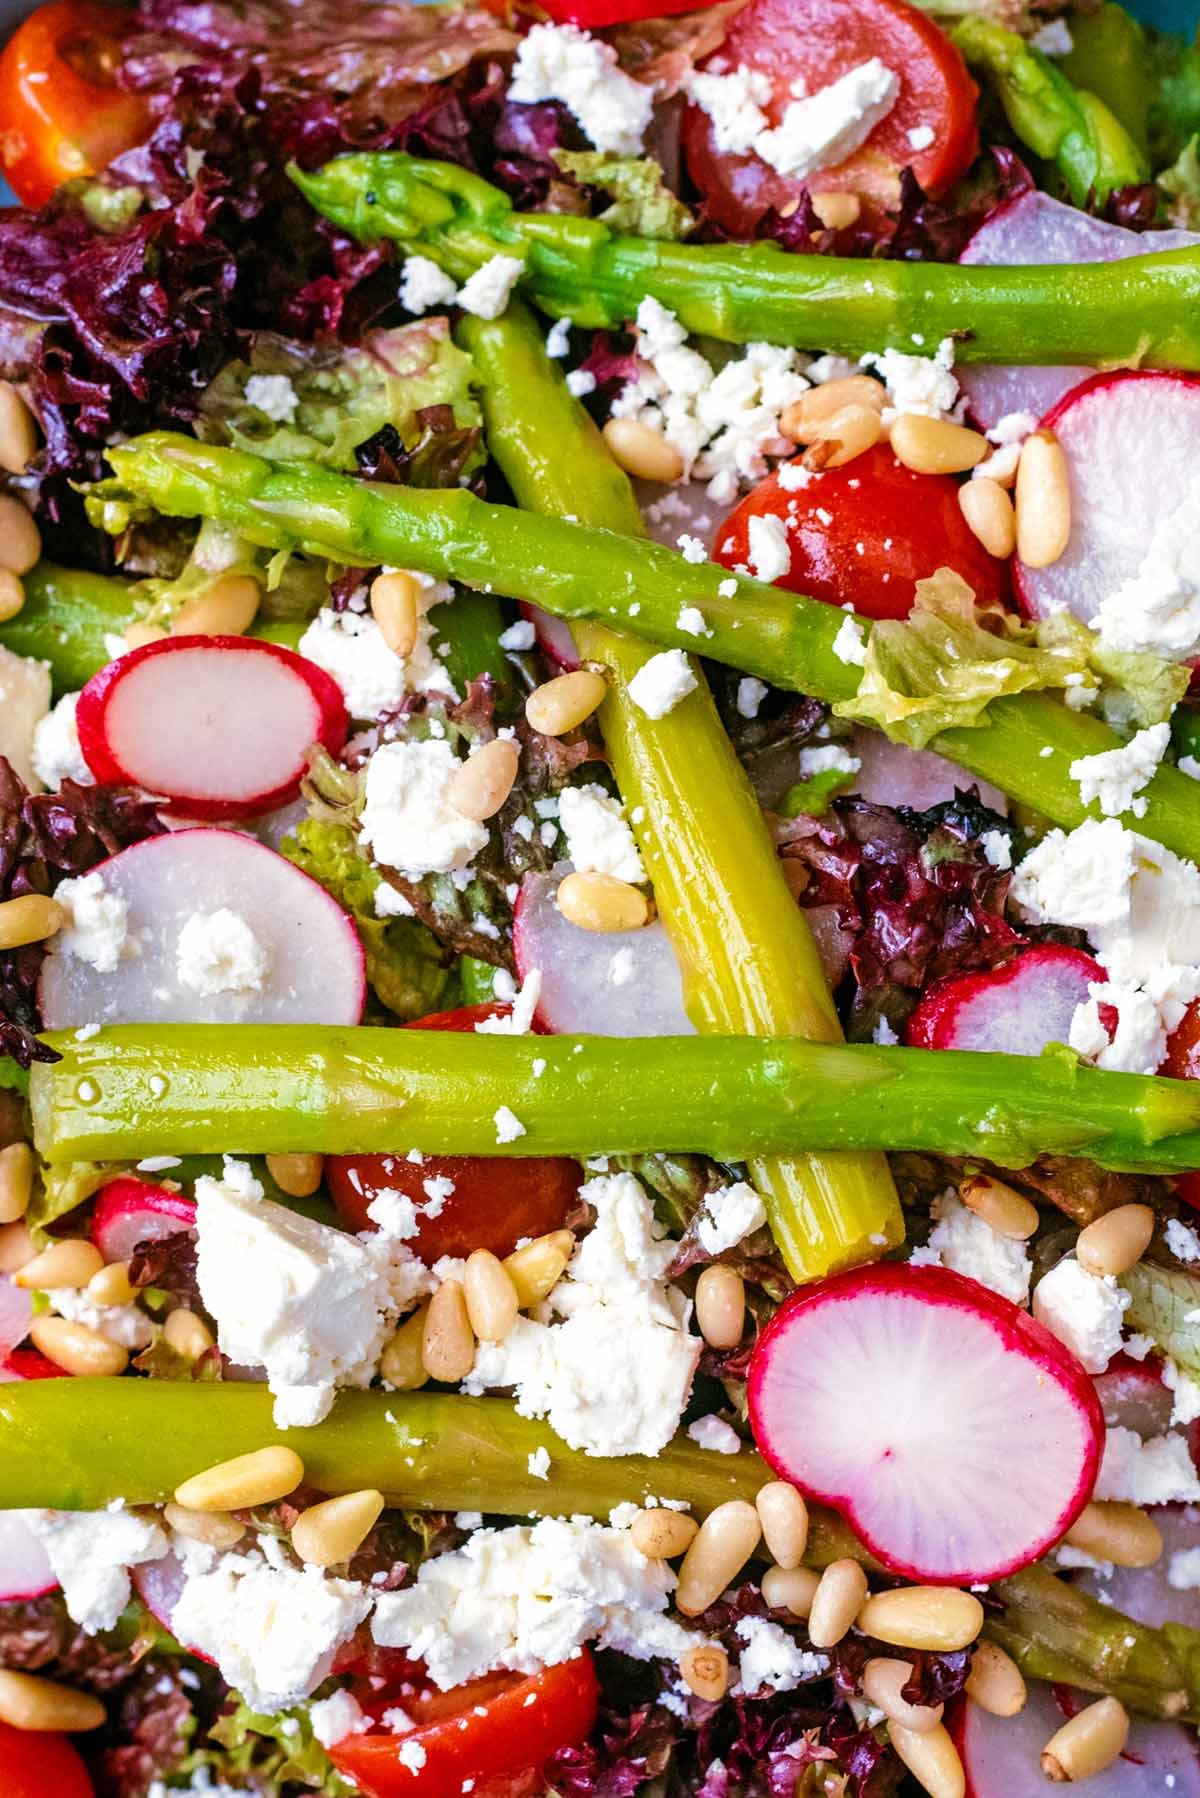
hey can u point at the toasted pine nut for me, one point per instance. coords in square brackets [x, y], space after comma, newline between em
[989, 512]
[721, 1305]
[139, 633]
[836, 1602]
[12, 595]
[790, 1589]
[806, 418]
[485, 779]
[844, 436]
[642, 451]
[784, 1518]
[18, 433]
[661, 1534]
[940, 1618]
[934, 446]
[492, 1302]
[720, 1549]
[112, 1285]
[1109, 1530]
[883, 1682]
[329, 1533]
[211, 1527]
[259, 1478]
[1043, 501]
[836, 211]
[1114, 1242]
[77, 1349]
[187, 1334]
[226, 609]
[598, 902]
[536, 1269]
[448, 1342]
[16, 1181]
[30, 919]
[931, 1758]
[1087, 1744]
[562, 704]
[1002, 1208]
[69, 1262]
[995, 1682]
[20, 539]
[401, 1364]
[705, 1671]
[17, 1246]
[298, 1175]
[27, 1701]
[395, 610]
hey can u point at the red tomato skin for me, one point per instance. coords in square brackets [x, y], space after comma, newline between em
[908, 525]
[38, 1764]
[818, 41]
[503, 1750]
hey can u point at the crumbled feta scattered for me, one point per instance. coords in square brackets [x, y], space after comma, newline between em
[486, 293]
[1085, 1311]
[519, 1021]
[773, 1659]
[350, 647]
[1183, 1570]
[580, 382]
[217, 952]
[691, 620]
[391, 903]
[1182, 1241]
[734, 106]
[90, 1554]
[920, 137]
[126, 1325]
[408, 819]
[1158, 608]
[558, 339]
[662, 682]
[274, 395]
[921, 384]
[997, 848]
[24, 702]
[508, 1125]
[538, 1463]
[1155, 1471]
[56, 752]
[850, 646]
[769, 554]
[98, 923]
[730, 1214]
[821, 130]
[827, 758]
[1113, 777]
[520, 635]
[599, 841]
[970, 1246]
[560, 62]
[423, 285]
[1186, 1391]
[713, 1433]
[412, 1756]
[336, 1717]
[750, 695]
[691, 548]
[1053, 38]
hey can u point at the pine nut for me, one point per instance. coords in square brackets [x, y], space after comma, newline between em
[931, 1758]
[30, 919]
[297, 1175]
[1043, 501]
[1006, 1211]
[485, 779]
[401, 1365]
[784, 1518]
[1110, 1530]
[705, 1671]
[17, 1247]
[27, 1701]
[536, 1269]
[329, 1533]
[601, 902]
[836, 1602]
[806, 419]
[187, 1334]
[721, 1306]
[995, 1682]
[492, 1302]
[226, 609]
[16, 1181]
[76, 1349]
[112, 1285]
[846, 435]
[139, 633]
[790, 1589]
[212, 1527]
[660, 1534]
[70, 1262]
[642, 451]
[720, 1549]
[940, 1618]
[395, 610]
[883, 1682]
[562, 704]
[989, 512]
[934, 446]
[1087, 1744]
[18, 433]
[259, 1478]
[12, 595]
[1116, 1241]
[448, 1343]
[20, 539]
[836, 212]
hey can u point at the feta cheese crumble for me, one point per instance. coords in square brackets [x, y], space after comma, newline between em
[423, 285]
[734, 105]
[850, 646]
[97, 924]
[1113, 778]
[508, 1125]
[662, 682]
[968, 1245]
[217, 952]
[599, 841]
[770, 553]
[1085, 1311]
[1158, 608]
[408, 820]
[924, 385]
[1155, 1471]
[90, 1554]
[714, 1434]
[772, 1659]
[273, 395]
[821, 130]
[350, 647]
[560, 62]
[486, 292]
[730, 1214]
[750, 694]
[336, 1717]
[56, 752]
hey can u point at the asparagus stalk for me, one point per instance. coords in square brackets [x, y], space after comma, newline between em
[576, 571]
[1142, 311]
[139, 1089]
[747, 955]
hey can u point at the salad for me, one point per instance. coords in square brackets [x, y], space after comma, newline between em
[599, 900]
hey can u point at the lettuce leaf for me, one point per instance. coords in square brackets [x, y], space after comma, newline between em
[270, 1754]
[642, 205]
[1164, 1304]
[1181, 184]
[64, 1186]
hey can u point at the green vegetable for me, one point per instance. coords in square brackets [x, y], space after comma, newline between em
[272, 1753]
[812, 797]
[642, 203]
[1174, 96]
[13, 1077]
[1181, 184]
[478, 980]
[1164, 1304]
[1144, 310]
[1110, 58]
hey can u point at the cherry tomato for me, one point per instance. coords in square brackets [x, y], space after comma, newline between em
[863, 535]
[803, 46]
[63, 113]
[494, 1203]
[497, 1732]
[39, 1764]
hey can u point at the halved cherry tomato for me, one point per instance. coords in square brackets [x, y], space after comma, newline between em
[61, 112]
[803, 46]
[494, 1203]
[38, 1764]
[865, 533]
[491, 1737]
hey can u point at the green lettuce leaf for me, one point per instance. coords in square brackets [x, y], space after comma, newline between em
[269, 1755]
[1164, 1304]
[1181, 184]
[1137, 689]
[642, 205]
[13, 1077]
[62, 1187]
[812, 797]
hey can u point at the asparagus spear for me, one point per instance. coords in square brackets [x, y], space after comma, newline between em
[578, 572]
[1139, 311]
[748, 959]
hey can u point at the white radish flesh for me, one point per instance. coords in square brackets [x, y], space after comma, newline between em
[25, 1570]
[129, 1211]
[554, 637]
[1015, 1010]
[1146, 1593]
[16, 1313]
[1002, 1755]
[893, 774]
[159, 1585]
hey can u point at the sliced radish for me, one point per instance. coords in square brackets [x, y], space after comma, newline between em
[25, 1570]
[130, 1211]
[553, 636]
[29, 1364]
[1002, 1755]
[893, 774]
[16, 1313]
[1146, 1593]
[1031, 229]
[1014, 1010]
[219, 726]
[159, 1585]
[622, 984]
[314, 971]
[895, 1393]
[1133, 1397]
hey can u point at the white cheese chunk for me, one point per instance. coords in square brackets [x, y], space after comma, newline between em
[91, 1552]
[1156, 1471]
[660, 683]
[56, 752]
[560, 62]
[217, 952]
[1085, 1311]
[599, 841]
[821, 130]
[409, 821]
[24, 702]
[1114, 777]
[350, 647]
[98, 922]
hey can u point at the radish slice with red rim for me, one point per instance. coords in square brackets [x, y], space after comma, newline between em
[1146, 1593]
[1002, 1755]
[159, 1584]
[129, 1211]
[1014, 1010]
[895, 1393]
[220, 727]
[308, 965]
[25, 1570]
[554, 637]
